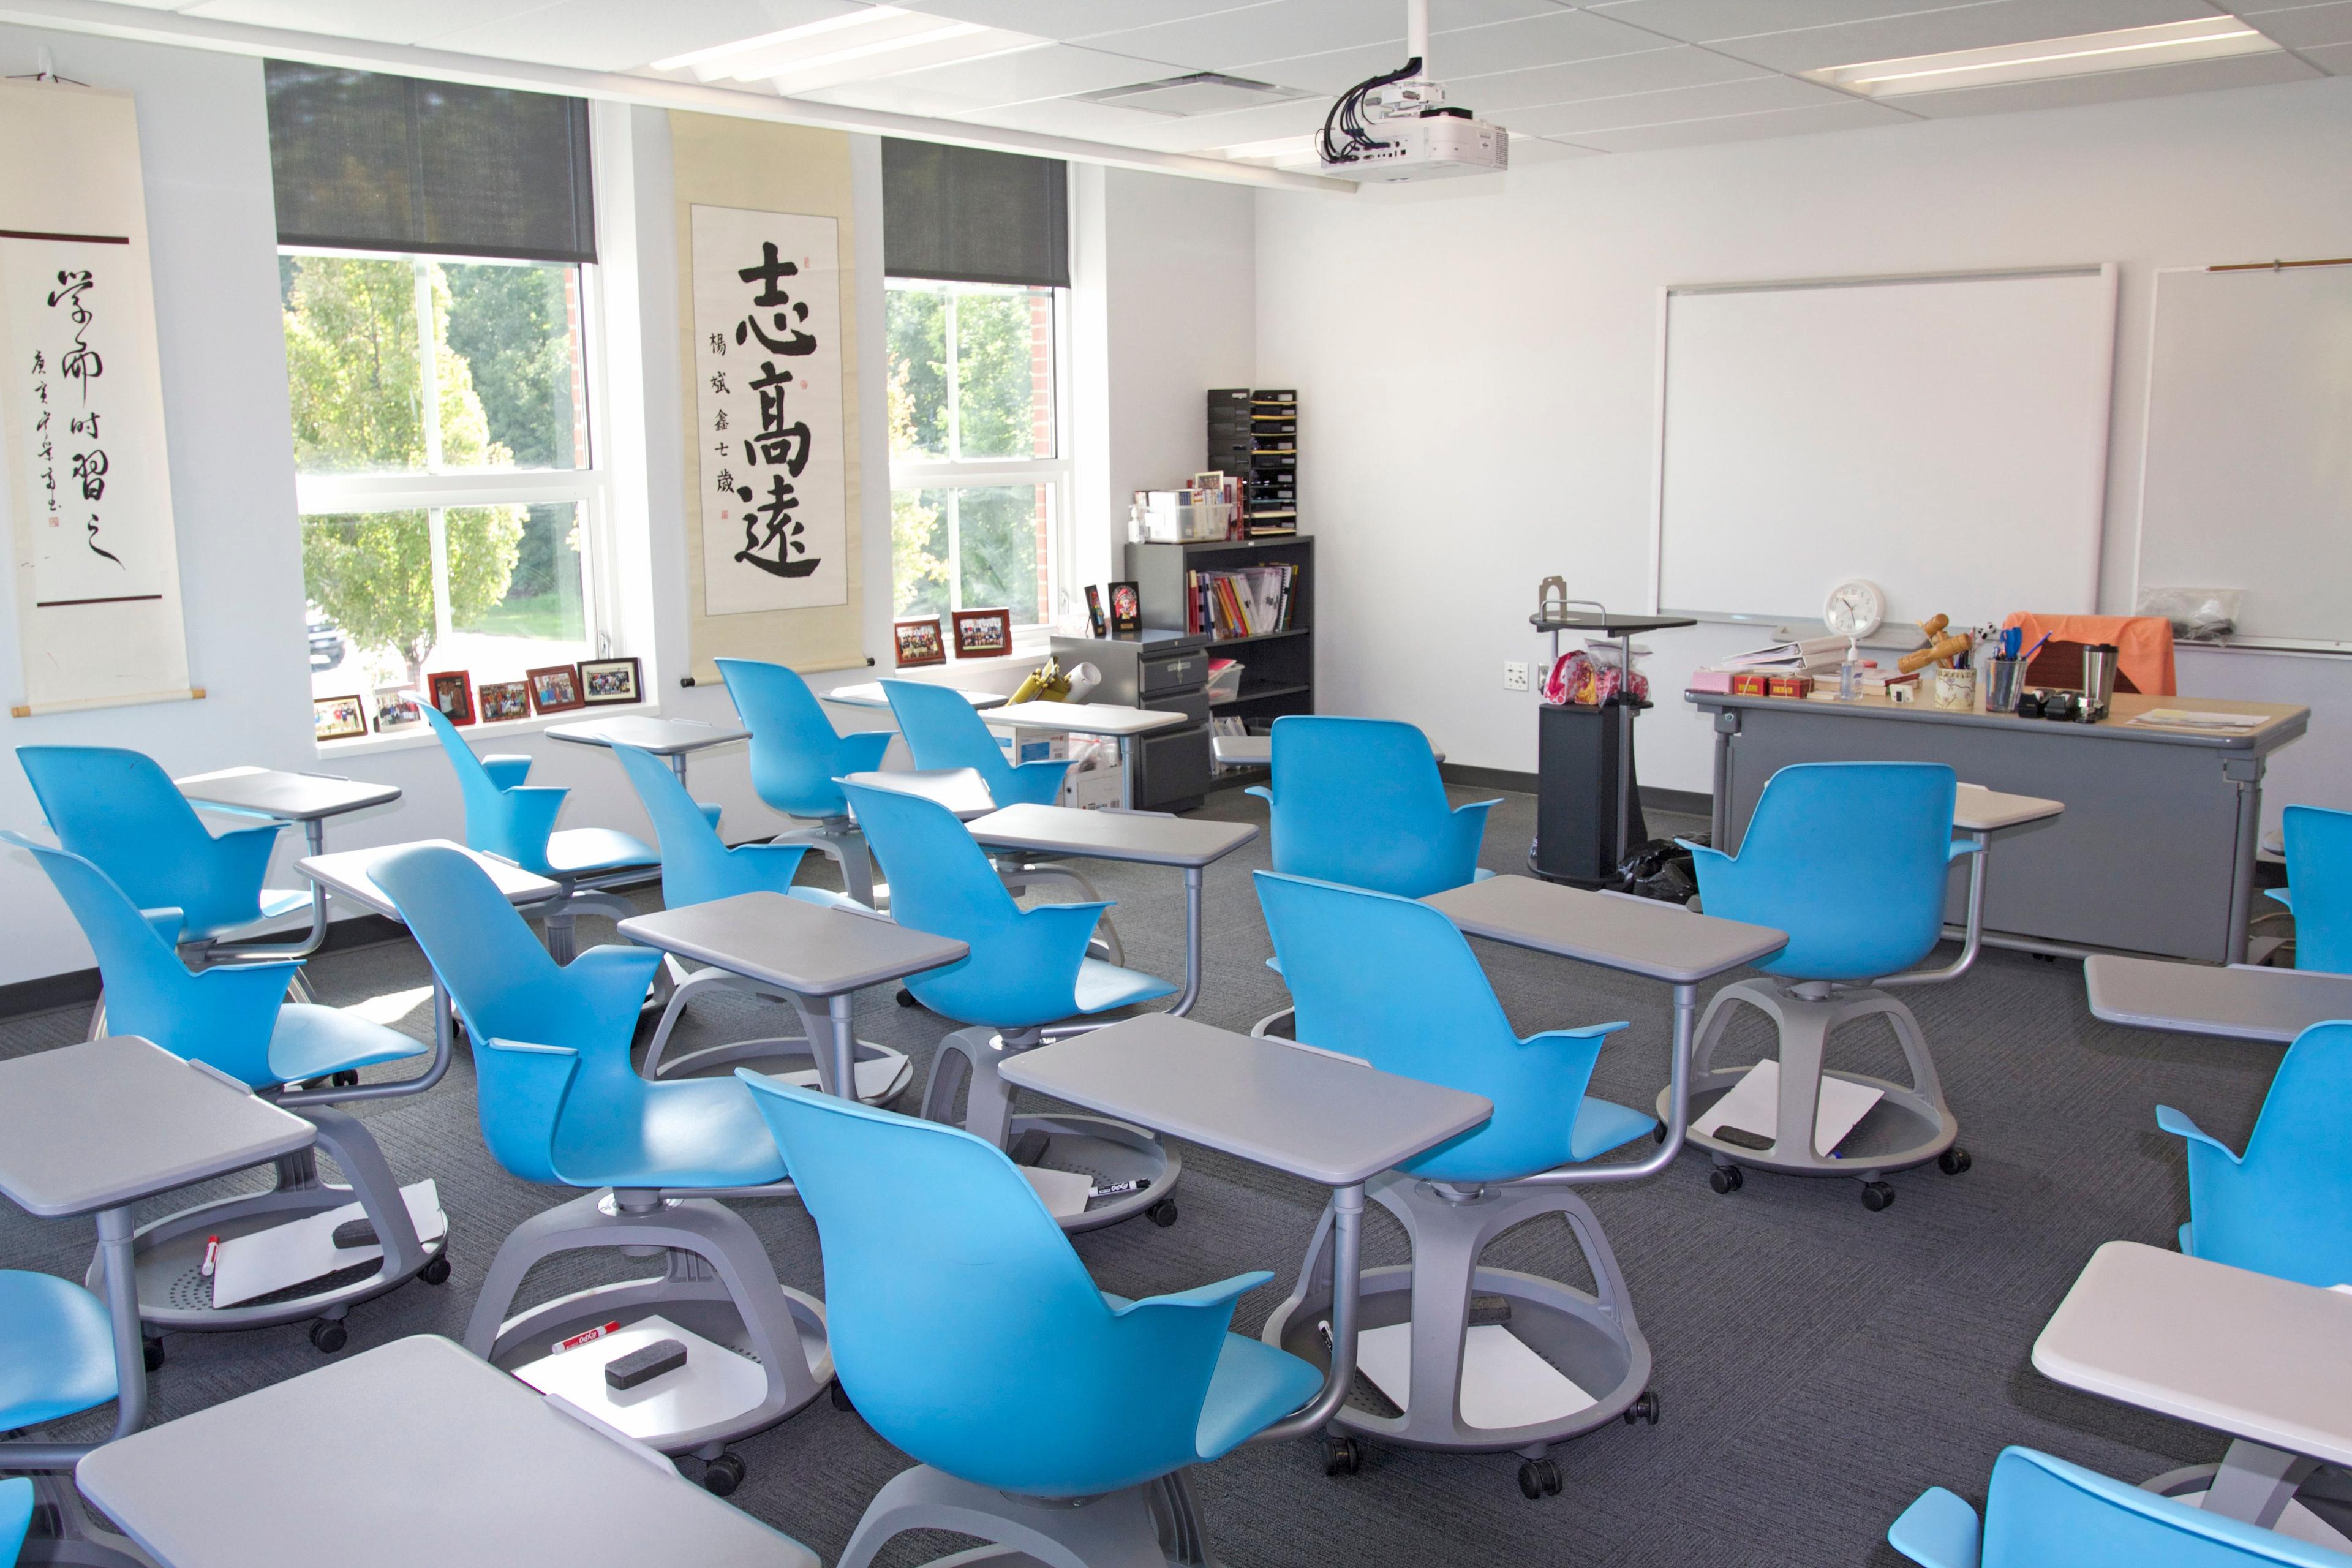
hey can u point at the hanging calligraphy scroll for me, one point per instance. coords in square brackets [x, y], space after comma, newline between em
[774, 552]
[87, 482]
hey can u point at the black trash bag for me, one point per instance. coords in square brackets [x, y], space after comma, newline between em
[1659, 868]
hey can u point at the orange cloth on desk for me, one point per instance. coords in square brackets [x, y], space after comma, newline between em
[2143, 643]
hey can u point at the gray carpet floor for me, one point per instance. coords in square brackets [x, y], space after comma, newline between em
[1817, 1366]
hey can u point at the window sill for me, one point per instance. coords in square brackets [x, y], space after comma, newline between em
[411, 737]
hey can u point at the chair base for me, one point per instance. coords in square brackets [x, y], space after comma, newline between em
[1109, 1152]
[581, 896]
[838, 840]
[1910, 1126]
[717, 1281]
[789, 1057]
[78, 1539]
[173, 1293]
[1156, 1525]
[1591, 1340]
[2258, 1484]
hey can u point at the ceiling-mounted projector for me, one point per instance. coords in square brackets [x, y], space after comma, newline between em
[1400, 127]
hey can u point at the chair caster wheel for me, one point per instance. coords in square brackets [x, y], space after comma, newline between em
[1727, 1178]
[1163, 1213]
[906, 998]
[436, 1267]
[722, 1475]
[1877, 1197]
[841, 1400]
[1644, 1409]
[153, 1353]
[346, 1079]
[327, 1336]
[1341, 1456]
[1538, 1478]
[1952, 1161]
[1658, 1132]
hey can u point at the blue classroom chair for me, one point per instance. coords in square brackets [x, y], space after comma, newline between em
[970, 1336]
[16, 1516]
[561, 1104]
[58, 1360]
[1393, 981]
[2042, 1512]
[698, 868]
[797, 755]
[1028, 969]
[2319, 887]
[2284, 1206]
[235, 1018]
[944, 731]
[1852, 860]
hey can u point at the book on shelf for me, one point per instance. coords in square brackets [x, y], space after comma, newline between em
[1248, 601]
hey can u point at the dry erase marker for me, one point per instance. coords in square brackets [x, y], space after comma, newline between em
[585, 1335]
[212, 1255]
[1116, 1189]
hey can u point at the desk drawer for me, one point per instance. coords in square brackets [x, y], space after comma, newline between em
[1174, 672]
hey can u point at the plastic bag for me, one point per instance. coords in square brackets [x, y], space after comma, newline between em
[1581, 681]
[2198, 614]
[1659, 868]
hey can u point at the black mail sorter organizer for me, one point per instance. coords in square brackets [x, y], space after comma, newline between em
[1576, 793]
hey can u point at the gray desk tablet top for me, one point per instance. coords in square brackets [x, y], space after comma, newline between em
[438, 1458]
[1641, 936]
[108, 1121]
[2250, 1355]
[2279, 721]
[2243, 1002]
[869, 694]
[349, 872]
[1331, 1120]
[662, 736]
[1976, 809]
[1113, 834]
[961, 790]
[293, 797]
[804, 948]
[1088, 718]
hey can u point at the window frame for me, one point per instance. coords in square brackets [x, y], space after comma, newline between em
[912, 471]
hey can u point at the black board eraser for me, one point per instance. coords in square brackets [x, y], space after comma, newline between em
[643, 1366]
[354, 1233]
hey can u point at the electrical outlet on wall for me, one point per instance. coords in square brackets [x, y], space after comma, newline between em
[1515, 677]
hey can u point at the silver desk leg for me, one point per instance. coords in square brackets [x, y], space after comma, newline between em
[2254, 1482]
[677, 765]
[1346, 1288]
[833, 1042]
[122, 1272]
[2246, 772]
[1195, 885]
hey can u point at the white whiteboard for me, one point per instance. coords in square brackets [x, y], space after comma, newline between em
[2247, 478]
[1944, 437]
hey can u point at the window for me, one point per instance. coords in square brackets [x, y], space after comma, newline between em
[978, 479]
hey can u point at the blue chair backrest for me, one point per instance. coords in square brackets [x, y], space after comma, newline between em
[943, 731]
[1023, 965]
[511, 821]
[16, 1516]
[697, 866]
[121, 811]
[1851, 859]
[2042, 1512]
[1394, 982]
[796, 750]
[2287, 1208]
[2320, 876]
[965, 1327]
[1359, 801]
[223, 1016]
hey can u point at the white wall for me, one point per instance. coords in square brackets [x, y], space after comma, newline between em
[1477, 370]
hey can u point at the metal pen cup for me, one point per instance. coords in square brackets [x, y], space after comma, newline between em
[2004, 683]
[2098, 681]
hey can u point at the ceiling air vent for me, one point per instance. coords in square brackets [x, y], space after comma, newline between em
[1202, 92]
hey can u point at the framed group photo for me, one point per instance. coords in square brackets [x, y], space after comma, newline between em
[338, 718]
[501, 701]
[604, 680]
[555, 689]
[919, 641]
[983, 633]
[452, 692]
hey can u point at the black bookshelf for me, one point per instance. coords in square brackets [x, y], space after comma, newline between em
[1278, 673]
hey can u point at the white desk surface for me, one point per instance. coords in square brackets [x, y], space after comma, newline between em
[1087, 717]
[1258, 749]
[807, 949]
[108, 1121]
[2250, 1355]
[1145, 838]
[2242, 1001]
[1641, 936]
[438, 1457]
[1328, 1119]
[348, 872]
[961, 790]
[291, 797]
[869, 694]
[1977, 810]
[662, 736]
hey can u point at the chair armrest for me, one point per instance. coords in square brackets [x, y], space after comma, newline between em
[245, 853]
[1587, 1032]
[611, 979]
[1960, 847]
[1223, 1293]
[520, 1102]
[165, 921]
[231, 1028]
[861, 751]
[1260, 790]
[2177, 1123]
[2283, 895]
[1704, 851]
[507, 772]
[531, 811]
[1937, 1530]
[1480, 806]
[1084, 915]
[710, 809]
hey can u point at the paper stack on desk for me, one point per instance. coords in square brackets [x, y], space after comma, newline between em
[2192, 719]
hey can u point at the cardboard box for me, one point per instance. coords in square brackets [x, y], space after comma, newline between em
[1751, 683]
[1790, 685]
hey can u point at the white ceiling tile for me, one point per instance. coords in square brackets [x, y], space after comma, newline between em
[370, 19]
[1756, 95]
[1070, 117]
[2334, 58]
[1702, 21]
[1067, 19]
[1242, 126]
[977, 44]
[1551, 38]
[1675, 65]
[1983, 25]
[2307, 26]
[596, 35]
[1527, 151]
[2112, 87]
[1847, 115]
[1282, 30]
[1022, 75]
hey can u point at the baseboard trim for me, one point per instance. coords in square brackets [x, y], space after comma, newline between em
[78, 987]
[1682, 802]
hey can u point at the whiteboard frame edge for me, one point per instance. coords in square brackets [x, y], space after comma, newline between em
[1658, 456]
[2110, 274]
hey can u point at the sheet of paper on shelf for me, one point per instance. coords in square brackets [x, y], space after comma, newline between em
[263, 1262]
[1753, 1106]
[1504, 1383]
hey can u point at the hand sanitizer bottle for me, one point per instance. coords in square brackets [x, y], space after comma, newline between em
[1850, 672]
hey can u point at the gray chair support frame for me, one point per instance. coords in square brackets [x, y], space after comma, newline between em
[702, 981]
[711, 1258]
[1156, 1525]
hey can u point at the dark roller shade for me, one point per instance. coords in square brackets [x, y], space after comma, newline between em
[365, 161]
[968, 215]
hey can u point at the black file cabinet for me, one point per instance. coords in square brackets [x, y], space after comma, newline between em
[1168, 672]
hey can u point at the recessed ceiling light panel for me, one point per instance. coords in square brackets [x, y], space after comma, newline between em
[2128, 48]
[1202, 92]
